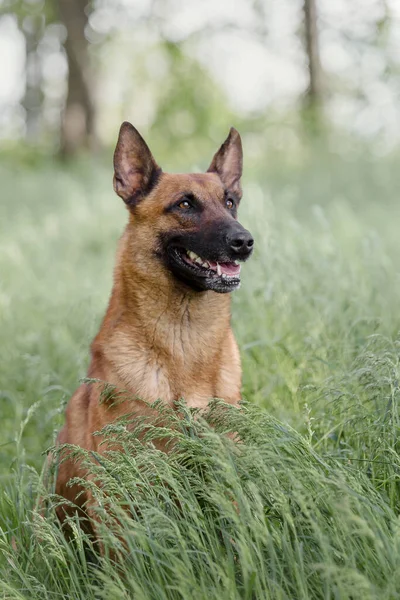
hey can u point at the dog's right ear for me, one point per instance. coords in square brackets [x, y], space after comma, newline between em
[135, 170]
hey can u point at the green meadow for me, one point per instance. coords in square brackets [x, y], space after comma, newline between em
[306, 504]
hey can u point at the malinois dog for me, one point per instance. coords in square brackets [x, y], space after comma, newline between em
[166, 334]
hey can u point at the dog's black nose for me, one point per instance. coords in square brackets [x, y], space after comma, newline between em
[241, 242]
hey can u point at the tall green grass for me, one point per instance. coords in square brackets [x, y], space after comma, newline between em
[307, 504]
[266, 517]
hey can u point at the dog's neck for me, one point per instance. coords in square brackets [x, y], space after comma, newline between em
[164, 312]
[165, 341]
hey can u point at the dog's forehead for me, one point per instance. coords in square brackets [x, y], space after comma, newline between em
[202, 185]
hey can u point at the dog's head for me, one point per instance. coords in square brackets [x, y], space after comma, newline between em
[185, 223]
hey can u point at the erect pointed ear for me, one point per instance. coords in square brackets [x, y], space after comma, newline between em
[228, 163]
[135, 170]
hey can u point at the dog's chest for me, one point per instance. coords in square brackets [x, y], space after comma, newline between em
[151, 374]
[149, 378]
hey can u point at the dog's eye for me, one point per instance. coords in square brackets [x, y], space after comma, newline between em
[184, 204]
[229, 204]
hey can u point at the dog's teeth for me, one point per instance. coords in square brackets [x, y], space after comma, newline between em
[235, 262]
[219, 271]
[197, 259]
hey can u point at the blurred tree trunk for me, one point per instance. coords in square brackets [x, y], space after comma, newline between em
[313, 98]
[78, 123]
[32, 27]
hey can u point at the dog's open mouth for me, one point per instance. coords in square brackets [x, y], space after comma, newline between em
[224, 270]
[204, 274]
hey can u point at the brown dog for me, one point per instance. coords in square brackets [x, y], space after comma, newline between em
[166, 334]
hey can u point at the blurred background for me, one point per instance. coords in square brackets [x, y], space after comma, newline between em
[183, 71]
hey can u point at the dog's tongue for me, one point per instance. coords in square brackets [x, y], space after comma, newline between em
[228, 268]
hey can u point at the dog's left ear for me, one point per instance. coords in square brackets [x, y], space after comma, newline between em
[228, 163]
[135, 170]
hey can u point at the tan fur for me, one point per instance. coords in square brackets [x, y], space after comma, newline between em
[159, 338]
